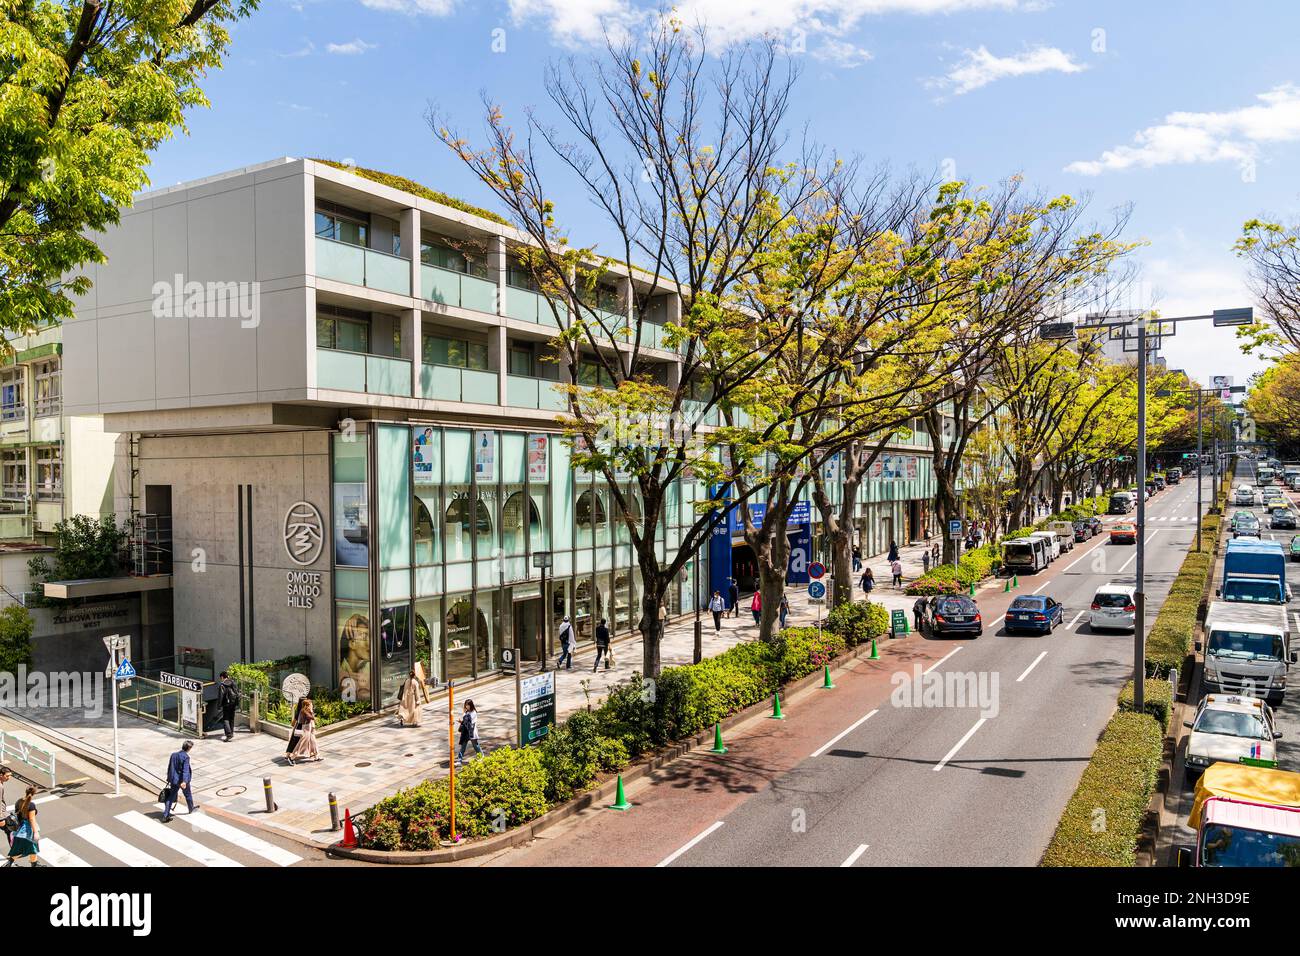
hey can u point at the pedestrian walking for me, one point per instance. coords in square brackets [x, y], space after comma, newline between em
[228, 694]
[785, 609]
[663, 616]
[896, 569]
[566, 645]
[8, 824]
[934, 554]
[602, 645]
[857, 559]
[756, 606]
[27, 833]
[925, 562]
[918, 614]
[468, 731]
[868, 581]
[716, 607]
[733, 595]
[893, 551]
[293, 729]
[306, 746]
[179, 781]
[408, 706]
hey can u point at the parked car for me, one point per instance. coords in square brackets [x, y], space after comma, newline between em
[1095, 524]
[1123, 532]
[1281, 518]
[1035, 613]
[1064, 532]
[1114, 607]
[1174, 475]
[1295, 547]
[952, 615]
[1082, 531]
[1228, 727]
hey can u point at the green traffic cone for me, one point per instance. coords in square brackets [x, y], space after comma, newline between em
[875, 655]
[1015, 580]
[1006, 587]
[776, 708]
[717, 740]
[620, 801]
[826, 682]
[972, 589]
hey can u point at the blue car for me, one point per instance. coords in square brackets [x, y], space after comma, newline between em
[1034, 613]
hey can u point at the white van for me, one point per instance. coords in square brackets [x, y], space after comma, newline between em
[1024, 554]
[1053, 542]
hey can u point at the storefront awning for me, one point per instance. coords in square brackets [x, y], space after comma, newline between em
[104, 587]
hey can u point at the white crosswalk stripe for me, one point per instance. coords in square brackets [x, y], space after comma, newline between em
[245, 841]
[56, 855]
[174, 840]
[117, 848]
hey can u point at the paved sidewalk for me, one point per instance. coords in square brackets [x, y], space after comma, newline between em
[370, 761]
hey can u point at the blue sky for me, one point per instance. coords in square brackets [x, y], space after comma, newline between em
[1184, 110]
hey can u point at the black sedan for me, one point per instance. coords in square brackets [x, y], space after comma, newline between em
[1282, 518]
[1094, 523]
[1035, 613]
[956, 615]
[1082, 531]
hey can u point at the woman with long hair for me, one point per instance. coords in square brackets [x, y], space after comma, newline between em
[306, 747]
[26, 839]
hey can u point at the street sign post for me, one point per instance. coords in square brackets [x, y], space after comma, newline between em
[954, 528]
[116, 643]
[536, 707]
[816, 570]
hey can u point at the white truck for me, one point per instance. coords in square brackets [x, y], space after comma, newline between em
[1247, 650]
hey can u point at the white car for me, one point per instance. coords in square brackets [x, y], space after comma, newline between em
[1114, 608]
[1244, 495]
[1228, 727]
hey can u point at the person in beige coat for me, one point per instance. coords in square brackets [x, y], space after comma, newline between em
[408, 706]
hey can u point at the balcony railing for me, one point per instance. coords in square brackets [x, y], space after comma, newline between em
[362, 372]
[361, 266]
[540, 393]
[15, 411]
[458, 288]
[528, 306]
[449, 383]
[48, 406]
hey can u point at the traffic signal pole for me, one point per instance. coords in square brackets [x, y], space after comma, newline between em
[1140, 624]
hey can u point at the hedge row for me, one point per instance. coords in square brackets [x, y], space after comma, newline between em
[1102, 821]
[972, 567]
[1170, 640]
[509, 787]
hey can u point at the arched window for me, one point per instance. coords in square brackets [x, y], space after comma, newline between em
[591, 510]
[459, 527]
[425, 544]
[513, 513]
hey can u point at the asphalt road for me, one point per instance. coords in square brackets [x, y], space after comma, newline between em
[82, 824]
[856, 776]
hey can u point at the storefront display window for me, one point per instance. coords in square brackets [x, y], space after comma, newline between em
[353, 619]
[428, 637]
[394, 651]
[459, 630]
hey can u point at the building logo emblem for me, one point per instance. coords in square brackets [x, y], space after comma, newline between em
[304, 533]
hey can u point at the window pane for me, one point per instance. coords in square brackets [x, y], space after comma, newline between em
[324, 333]
[325, 226]
[352, 336]
[478, 355]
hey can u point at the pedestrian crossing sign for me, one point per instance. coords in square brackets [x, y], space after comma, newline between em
[124, 671]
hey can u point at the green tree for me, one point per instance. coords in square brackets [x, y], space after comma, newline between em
[87, 91]
[16, 626]
[83, 548]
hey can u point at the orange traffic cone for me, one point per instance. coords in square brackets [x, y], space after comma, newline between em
[349, 834]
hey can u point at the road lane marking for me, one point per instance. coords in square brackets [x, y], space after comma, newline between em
[1031, 667]
[669, 859]
[1133, 557]
[844, 733]
[961, 743]
[56, 855]
[853, 857]
[1076, 620]
[942, 659]
[174, 840]
[119, 850]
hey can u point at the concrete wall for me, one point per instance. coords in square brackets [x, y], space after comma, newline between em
[88, 453]
[205, 473]
[120, 356]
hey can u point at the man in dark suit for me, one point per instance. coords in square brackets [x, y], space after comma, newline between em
[178, 781]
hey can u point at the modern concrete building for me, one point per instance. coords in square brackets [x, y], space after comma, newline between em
[337, 426]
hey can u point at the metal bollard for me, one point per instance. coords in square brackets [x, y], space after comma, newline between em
[334, 814]
[698, 654]
[270, 797]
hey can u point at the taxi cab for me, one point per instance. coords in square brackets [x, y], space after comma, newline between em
[1123, 532]
[1232, 728]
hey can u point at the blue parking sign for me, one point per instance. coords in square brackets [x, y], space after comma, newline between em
[817, 591]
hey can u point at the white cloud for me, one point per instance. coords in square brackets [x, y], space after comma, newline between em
[431, 8]
[305, 50]
[1184, 137]
[351, 48]
[579, 22]
[980, 68]
[840, 53]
